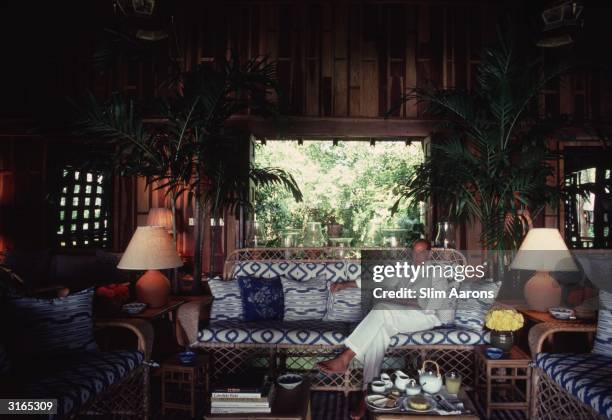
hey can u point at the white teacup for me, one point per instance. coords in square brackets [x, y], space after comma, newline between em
[378, 387]
[387, 380]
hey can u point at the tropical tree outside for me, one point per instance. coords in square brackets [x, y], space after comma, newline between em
[351, 183]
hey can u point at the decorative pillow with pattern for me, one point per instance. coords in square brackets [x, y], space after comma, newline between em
[305, 300]
[603, 338]
[51, 327]
[344, 306]
[470, 313]
[262, 299]
[227, 302]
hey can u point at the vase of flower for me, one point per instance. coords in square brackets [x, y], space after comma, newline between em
[503, 323]
[502, 339]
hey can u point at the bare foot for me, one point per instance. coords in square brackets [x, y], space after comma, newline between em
[335, 365]
[359, 411]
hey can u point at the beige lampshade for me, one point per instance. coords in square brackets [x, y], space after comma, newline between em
[543, 249]
[151, 248]
[160, 216]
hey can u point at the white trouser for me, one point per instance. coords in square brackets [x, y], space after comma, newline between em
[372, 336]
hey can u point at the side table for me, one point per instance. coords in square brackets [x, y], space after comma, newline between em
[503, 384]
[180, 382]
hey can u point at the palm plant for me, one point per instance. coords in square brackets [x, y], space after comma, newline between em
[490, 163]
[192, 150]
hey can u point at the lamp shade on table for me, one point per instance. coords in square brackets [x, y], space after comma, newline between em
[160, 216]
[151, 248]
[543, 250]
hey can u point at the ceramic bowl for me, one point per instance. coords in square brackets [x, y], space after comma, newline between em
[133, 308]
[494, 352]
[289, 381]
[378, 387]
[187, 357]
[561, 313]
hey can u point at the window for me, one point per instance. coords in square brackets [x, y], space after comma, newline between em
[83, 210]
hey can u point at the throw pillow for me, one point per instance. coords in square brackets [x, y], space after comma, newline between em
[262, 299]
[305, 300]
[603, 338]
[51, 327]
[227, 302]
[344, 306]
[471, 312]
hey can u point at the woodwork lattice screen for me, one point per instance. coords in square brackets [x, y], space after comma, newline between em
[83, 210]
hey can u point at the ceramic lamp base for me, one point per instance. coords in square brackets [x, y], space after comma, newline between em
[542, 292]
[153, 288]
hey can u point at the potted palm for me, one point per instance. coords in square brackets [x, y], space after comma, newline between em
[191, 150]
[490, 163]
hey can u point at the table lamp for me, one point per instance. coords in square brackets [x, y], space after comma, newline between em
[152, 249]
[160, 216]
[543, 250]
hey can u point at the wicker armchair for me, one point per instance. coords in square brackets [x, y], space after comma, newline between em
[549, 400]
[128, 398]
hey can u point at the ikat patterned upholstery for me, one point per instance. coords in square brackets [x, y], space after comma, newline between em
[50, 326]
[305, 300]
[334, 271]
[470, 313]
[227, 302]
[588, 377]
[344, 306]
[353, 270]
[603, 339]
[77, 380]
[275, 332]
[442, 335]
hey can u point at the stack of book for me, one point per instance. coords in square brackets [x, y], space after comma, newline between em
[249, 392]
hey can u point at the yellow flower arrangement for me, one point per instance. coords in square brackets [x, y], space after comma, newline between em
[504, 320]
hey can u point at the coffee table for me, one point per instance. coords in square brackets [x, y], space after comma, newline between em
[287, 405]
[463, 396]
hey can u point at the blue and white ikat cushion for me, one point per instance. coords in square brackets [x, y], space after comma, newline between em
[603, 338]
[587, 377]
[227, 300]
[305, 300]
[275, 332]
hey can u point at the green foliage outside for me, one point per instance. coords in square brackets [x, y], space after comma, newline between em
[351, 184]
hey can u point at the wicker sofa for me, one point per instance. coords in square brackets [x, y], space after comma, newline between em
[567, 385]
[298, 345]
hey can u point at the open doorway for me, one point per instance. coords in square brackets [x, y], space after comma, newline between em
[348, 189]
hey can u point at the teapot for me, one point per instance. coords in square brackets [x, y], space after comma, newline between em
[401, 380]
[430, 381]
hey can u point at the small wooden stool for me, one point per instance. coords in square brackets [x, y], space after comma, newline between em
[510, 375]
[179, 384]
